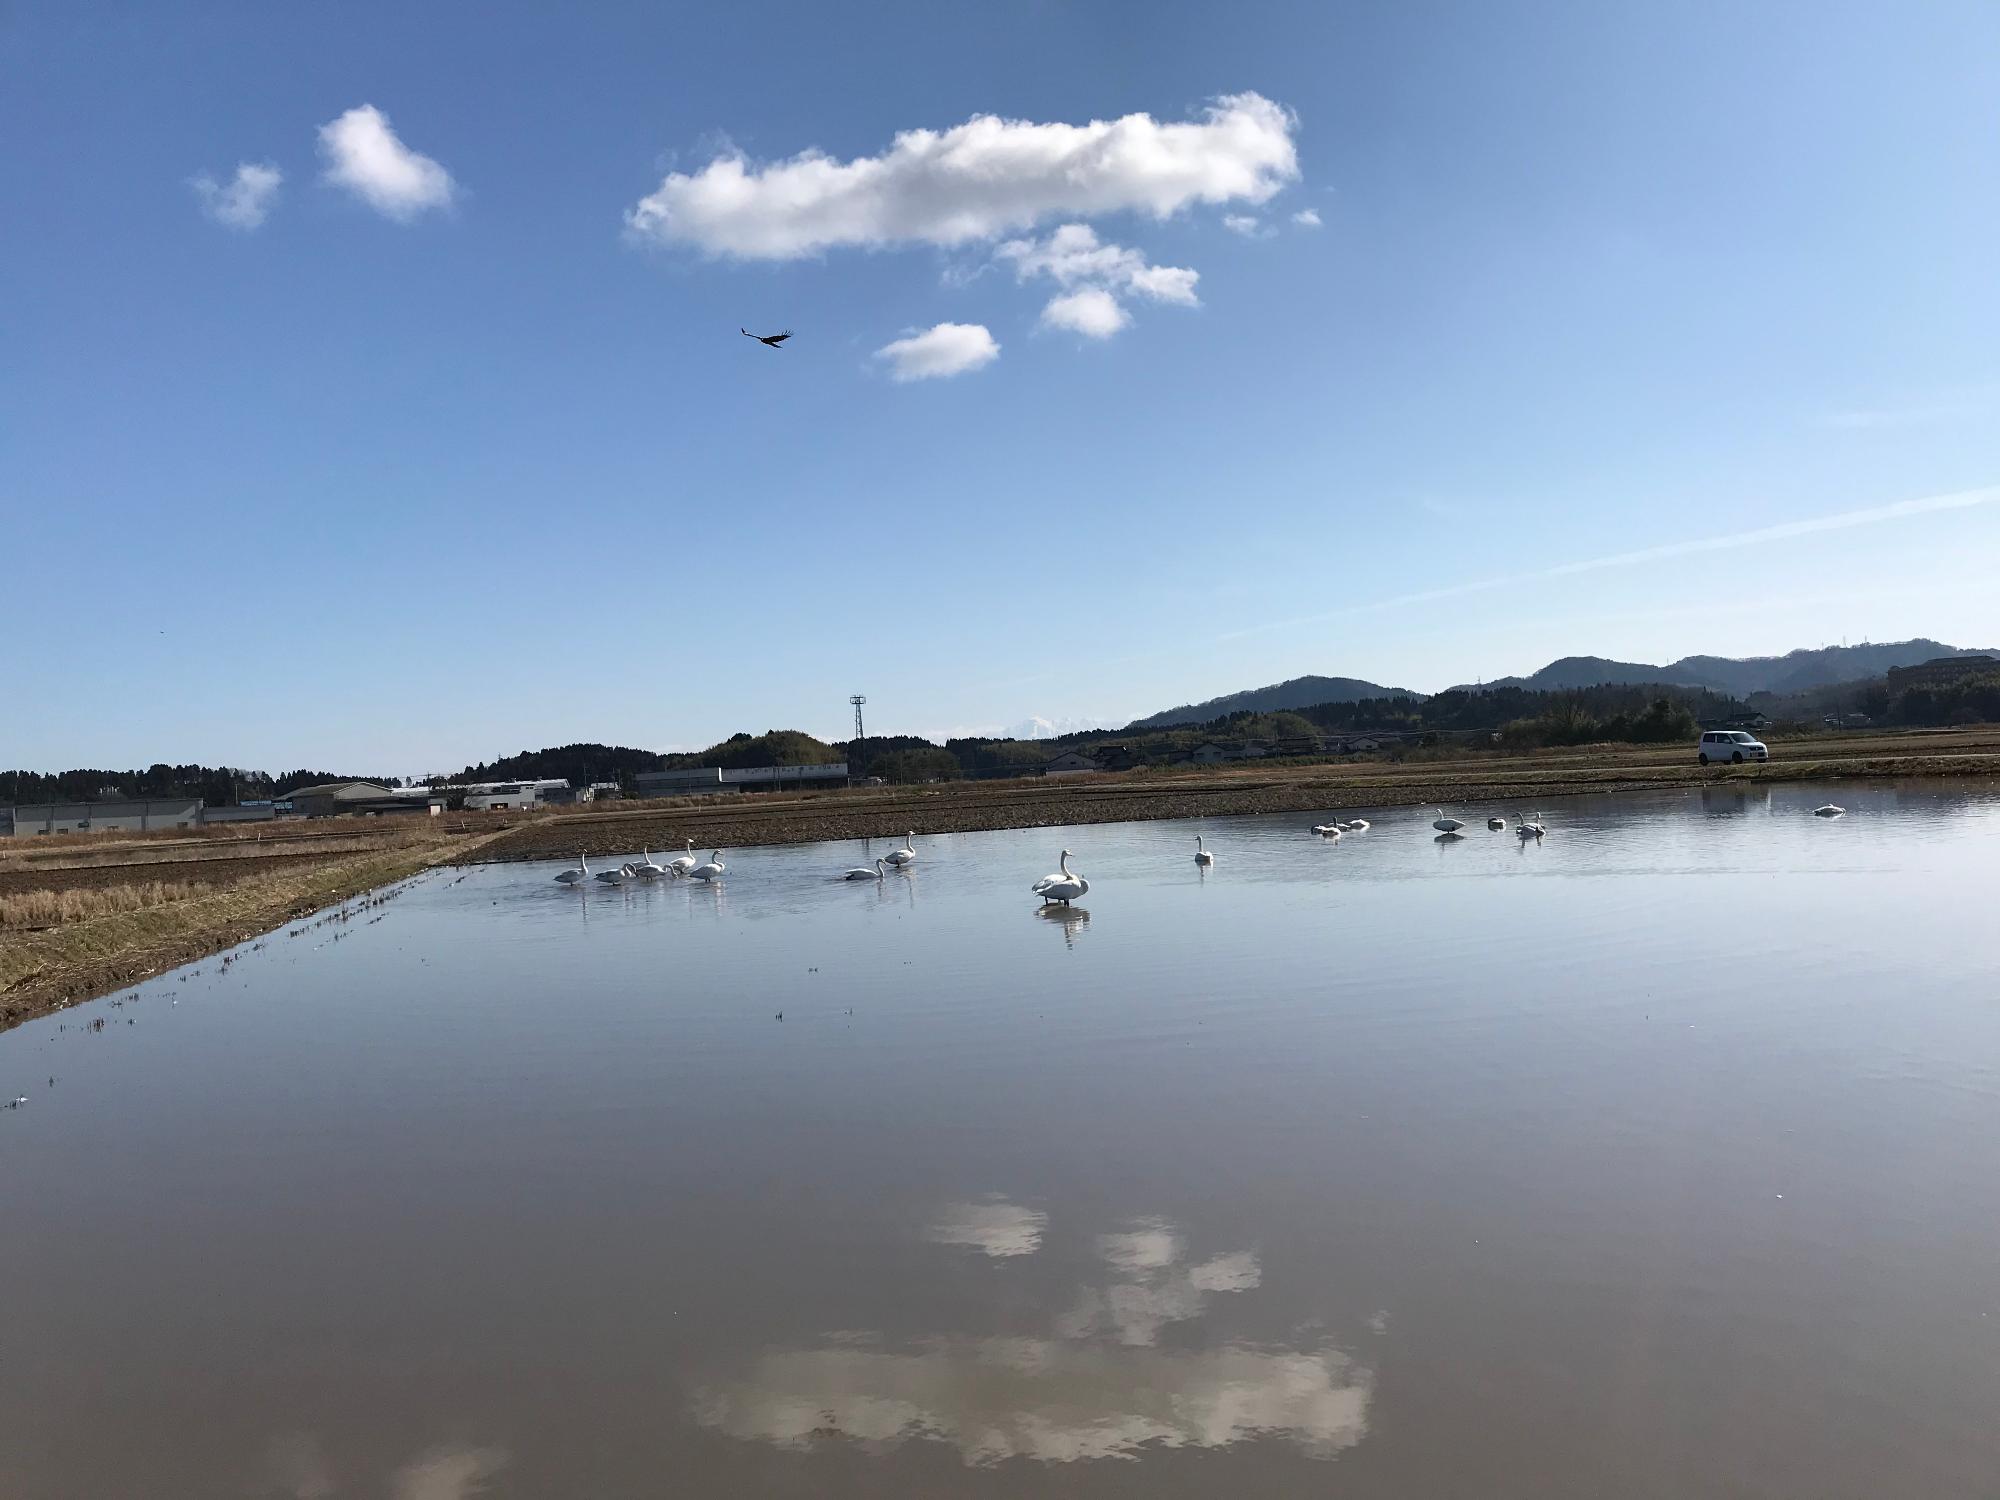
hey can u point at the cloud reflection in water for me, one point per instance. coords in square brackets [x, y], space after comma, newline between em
[1099, 1387]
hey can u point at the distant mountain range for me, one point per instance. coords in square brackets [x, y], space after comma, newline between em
[1299, 692]
[1794, 672]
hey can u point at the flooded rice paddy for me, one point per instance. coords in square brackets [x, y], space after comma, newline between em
[1657, 1158]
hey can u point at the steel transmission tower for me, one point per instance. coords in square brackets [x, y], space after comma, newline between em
[857, 700]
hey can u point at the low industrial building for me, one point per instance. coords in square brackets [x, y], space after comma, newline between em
[334, 799]
[494, 796]
[148, 815]
[708, 781]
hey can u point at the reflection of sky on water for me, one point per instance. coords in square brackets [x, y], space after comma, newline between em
[1098, 1387]
[996, 1226]
[297, 1468]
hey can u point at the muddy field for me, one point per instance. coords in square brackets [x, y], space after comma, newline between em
[1466, 780]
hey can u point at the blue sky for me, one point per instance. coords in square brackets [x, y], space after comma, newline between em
[447, 445]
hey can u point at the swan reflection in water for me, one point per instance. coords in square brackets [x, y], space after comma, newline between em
[1098, 1382]
[1074, 920]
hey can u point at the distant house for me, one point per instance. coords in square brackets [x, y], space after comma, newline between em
[1120, 758]
[1361, 744]
[1208, 753]
[1070, 763]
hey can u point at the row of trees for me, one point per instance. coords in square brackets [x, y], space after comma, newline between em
[1972, 697]
[218, 786]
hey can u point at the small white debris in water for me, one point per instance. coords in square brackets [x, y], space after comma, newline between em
[1780, 1195]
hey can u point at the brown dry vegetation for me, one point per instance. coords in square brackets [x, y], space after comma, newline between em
[120, 935]
[45, 908]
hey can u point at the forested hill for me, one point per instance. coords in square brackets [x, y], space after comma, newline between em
[1296, 692]
[1794, 672]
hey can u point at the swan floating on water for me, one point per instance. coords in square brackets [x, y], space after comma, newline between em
[1358, 825]
[712, 870]
[1445, 825]
[1496, 823]
[905, 854]
[580, 873]
[863, 872]
[1201, 856]
[1529, 828]
[680, 864]
[1328, 830]
[1061, 886]
[1830, 810]
[648, 868]
[615, 877]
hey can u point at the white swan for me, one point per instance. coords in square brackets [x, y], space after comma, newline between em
[1327, 830]
[862, 872]
[1359, 825]
[1201, 856]
[712, 870]
[648, 868]
[1830, 810]
[1530, 828]
[1445, 825]
[1496, 823]
[1062, 886]
[580, 873]
[905, 854]
[680, 864]
[615, 877]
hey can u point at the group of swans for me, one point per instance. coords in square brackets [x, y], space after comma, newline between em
[1527, 828]
[1335, 830]
[896, 857]
[646, 868]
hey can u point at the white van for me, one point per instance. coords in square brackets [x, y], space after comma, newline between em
[1731, 745]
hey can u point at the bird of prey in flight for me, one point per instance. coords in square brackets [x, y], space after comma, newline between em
[768, 340]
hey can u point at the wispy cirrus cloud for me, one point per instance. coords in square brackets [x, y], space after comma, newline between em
[1728, 542]
[243, 202]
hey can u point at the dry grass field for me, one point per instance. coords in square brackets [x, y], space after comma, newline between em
[79, 916]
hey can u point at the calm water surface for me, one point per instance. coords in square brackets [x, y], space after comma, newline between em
[1661, 1158]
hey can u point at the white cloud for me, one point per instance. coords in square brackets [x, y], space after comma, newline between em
[973, 182]
[1092, 311]
[245, 201]
[1074, 257]
[947, 349]
[1073, 254]
[1167, 284]
[1246, 225]
[1306, 218]
[365, 156]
